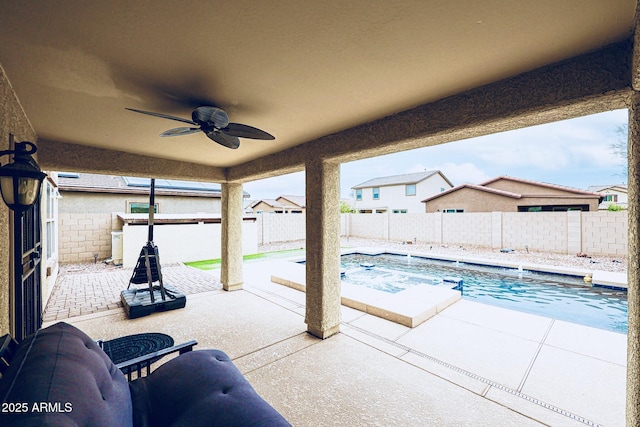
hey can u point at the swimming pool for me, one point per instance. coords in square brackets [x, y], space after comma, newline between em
[557, 296]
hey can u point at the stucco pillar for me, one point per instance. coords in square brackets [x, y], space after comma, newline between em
[231, 241]
[633, 295]
[323, 248]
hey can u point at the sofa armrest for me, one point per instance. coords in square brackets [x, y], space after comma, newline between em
[144, 362]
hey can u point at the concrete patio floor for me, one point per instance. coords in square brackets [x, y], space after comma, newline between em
[471, 364]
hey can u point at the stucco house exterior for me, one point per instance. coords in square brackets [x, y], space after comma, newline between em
[283, 204]
[399, 193]
[612, 195]
[509, 194]
[89, 205]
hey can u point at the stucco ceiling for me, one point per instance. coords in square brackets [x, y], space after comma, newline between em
[297, 69]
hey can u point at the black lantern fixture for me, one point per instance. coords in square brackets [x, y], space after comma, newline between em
[20, 181]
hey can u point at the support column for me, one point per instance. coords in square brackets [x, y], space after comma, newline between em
[633, 266]
[323, 248]
[231, 241]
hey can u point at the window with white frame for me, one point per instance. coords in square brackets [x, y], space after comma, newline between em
[610, 198]
[402, 211]
[51, 219]
[359, 194]
[453, 210]
[410, 190]
[376, 193]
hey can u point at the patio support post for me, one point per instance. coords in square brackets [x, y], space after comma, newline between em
[323, 248]
[231, 241]
[633, 258]
[633, 294]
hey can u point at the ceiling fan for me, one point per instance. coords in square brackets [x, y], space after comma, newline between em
[214, 122]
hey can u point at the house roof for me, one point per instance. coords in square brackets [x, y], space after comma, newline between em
[407, 178]
[98, 183]
[477, 188]
[271, 202]
[279, 204]
[513, 195]
[616, 187]
[540, 184]
[332, 81]
[300, 201]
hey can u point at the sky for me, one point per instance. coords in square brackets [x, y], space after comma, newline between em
[575, 153]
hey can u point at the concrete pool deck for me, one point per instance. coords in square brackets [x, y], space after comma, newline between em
[417, 304]
[469, 365]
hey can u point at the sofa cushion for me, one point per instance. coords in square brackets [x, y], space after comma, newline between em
[59, 377]
[200, 388]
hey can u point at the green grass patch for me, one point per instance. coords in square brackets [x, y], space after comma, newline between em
[211, 264]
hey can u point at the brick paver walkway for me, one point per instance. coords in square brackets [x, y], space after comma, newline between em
[85, 289]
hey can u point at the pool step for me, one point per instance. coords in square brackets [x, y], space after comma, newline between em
[410, 307]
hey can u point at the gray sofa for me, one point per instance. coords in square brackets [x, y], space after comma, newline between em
[60, 377]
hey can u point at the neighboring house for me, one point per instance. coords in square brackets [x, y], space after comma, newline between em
[89, 203]
[283, 204]
[615, 194]
[508, 194]
[399, 193]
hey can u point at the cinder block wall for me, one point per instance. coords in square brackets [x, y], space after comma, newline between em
[370, 225]
[83, 235]
[470, 228]
[411, 227]
[540, 231]
[273, 228]
[595, 233]
[605, 232]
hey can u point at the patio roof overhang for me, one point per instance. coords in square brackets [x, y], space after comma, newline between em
[331, 82]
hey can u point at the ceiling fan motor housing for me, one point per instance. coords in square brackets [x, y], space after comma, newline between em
[211, 115]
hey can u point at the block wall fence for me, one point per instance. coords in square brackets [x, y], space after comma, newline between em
[80, 236]
[595, 233]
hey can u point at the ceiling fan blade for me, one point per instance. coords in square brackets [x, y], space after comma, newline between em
[180, 131]
[228, 141]
[164, 116]
[245, 131]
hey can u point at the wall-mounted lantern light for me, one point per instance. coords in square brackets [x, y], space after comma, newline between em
[20, 181]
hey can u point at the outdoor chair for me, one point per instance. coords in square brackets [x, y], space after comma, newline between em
[60, 376]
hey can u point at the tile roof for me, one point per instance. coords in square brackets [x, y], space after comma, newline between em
[476, 187]
[598, 188]
[296, 200]
[482, 187]
[540, 184]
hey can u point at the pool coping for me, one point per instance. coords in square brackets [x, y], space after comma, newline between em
[417, 304]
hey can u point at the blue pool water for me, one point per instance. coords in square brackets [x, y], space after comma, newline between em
[552, 295]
